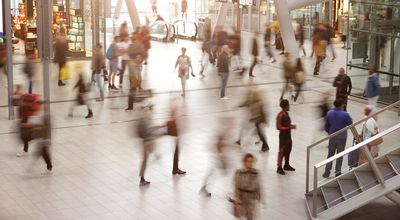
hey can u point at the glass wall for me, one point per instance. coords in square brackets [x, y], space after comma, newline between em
[374, 40]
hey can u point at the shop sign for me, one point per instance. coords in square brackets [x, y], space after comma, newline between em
[247, 2]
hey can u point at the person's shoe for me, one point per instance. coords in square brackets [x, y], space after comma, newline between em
[114, 87]
[47, 172]
[280, 171]
[129, 109]
[326, 175]
[252, 75]
[22, 154]
[143, 182]
[295, 103]
[90, 114]
[289, 168]
[99, 99]
[237, 142]
[178, 172]
[224, 98]
[338, 174]
[120, 86]
[316, 73]
[60, 83]
[265, 148]
[204, 192]
[110, 86]
[273, 60]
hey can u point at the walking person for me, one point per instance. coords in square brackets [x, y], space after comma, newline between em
[373, 87]
[285, 126]
[223, 69]
[29, 71]
[81, 98]
[301, 39]
[287, 75]
[135, 67]
[173, 130]
[329, 34]
[320, 52]
[185, 65]
[184, 6]
[247, 189]
[258, 116]
[336, 119]
[343, 85]
[254, 52]
[123, 59]
[235, 46]
[112, 55]
[153, 4]
[44, 145]
[60, 57]
[267, 43]
[298, 79]
[98, 65]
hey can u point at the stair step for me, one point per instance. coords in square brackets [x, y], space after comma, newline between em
[386, 170]
[395, 161]
[366, 179]
[321, 205]
[332, 196]
[349, 187]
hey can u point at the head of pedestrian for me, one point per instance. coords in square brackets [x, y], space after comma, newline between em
[248, 161]
[285, 105]
[371, 70]
[338, 103]
[183, 50]
[116, 39]
[342, 72]
[368, 110]
[225, 48]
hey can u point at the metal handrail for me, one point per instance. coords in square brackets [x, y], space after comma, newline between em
[337, 133]
[341, 154]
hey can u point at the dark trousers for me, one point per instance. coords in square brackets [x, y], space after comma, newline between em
[122, 71]
[335, 146]
[344, 100]
[147, 150]
[261, 135]
[317, 65]
[298, 90]
[176, 156]
[44, 153]
[285, 147]
[26, 146]
[253, 64]
[131, 98]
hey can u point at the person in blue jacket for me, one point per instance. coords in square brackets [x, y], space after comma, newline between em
[373, 87]
[336, 119]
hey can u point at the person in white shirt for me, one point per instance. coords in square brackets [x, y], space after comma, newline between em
[153, 4]
[370, 128]
[185, 65]
[124, 59]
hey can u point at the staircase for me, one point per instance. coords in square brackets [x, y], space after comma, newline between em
[356, 188]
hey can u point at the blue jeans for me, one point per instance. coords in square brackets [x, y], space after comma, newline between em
[100, 84]
[224, 78]
[335, 146]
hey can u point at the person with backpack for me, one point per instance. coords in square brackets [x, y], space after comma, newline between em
[185, 65]
[81, 97]
[112, 55]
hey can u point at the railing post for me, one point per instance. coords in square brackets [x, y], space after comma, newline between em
[315, 193]
[308, 171]
[367, 154]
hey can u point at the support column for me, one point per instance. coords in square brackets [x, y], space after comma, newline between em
[9, 68]
[221, 17]
[133, 13]
[286, 28]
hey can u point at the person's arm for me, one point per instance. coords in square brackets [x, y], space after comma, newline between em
[377, 85]
[336, 81]
[279, 124]
[177, 62]
[327, 124]
[349, 120]
[350, 86]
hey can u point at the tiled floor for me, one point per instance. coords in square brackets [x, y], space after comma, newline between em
[96, 162]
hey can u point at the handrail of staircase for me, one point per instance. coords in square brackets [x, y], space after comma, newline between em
[337, 133]
[343, 153]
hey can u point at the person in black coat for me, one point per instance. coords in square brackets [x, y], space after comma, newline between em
[343, 86]
[254, 52]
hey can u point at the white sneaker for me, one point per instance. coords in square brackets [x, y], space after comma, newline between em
[224, 98]
[47, 173]
[295, 103]
[22, 154]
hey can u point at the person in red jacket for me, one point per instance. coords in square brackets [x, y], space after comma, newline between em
[284, 125]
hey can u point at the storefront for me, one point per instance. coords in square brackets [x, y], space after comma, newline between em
[374, 40]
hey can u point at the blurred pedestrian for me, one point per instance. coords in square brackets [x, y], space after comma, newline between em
[60, 57]
[221, 38]
[223, 69]
[298, 79]
[44, 144]
[123, 30]
[112, 55]
[247, 189]
[236, 59]
[184, 7]
[153, 4]
[81, 98]
[267, 43]
[146, 43]
[373, 87]
[336, 119]
[124, 59]
[185, 65]
[173, 130]
[98, 65]
[329, 34]
[320, 51]
[258, 116]
[135, 67]
[343, 85]
[254, 52]
[287, 75]
[301, 39]
[284, 125]
[29, 71]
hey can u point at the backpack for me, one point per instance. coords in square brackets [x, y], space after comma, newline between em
[110, 53]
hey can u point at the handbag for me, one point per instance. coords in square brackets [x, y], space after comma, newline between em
[375, 142]
[171, 128]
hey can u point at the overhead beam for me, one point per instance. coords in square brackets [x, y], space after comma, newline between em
[296, 4]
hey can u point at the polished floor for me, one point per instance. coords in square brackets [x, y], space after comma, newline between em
[96, 161]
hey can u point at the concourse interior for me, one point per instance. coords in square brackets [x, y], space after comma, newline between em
[96, 161]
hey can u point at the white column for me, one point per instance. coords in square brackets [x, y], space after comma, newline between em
[133, 13]
[221, 17]
[286, 28]
[10, 68]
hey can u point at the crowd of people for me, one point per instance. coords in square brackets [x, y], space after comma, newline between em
[129, 52]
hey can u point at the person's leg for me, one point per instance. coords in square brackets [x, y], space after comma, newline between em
[146, 153]
[281, 154]
[100, 85]
[331, 152]
[345, 104]
[260, 134]
[284, 89]
[288, 150]
[252, 66]
[131, 98]
[122, 72]
[298, 89]
[175, 168]
[46, 157]
[30, 86]
[183, 84]
[26, 146]
[340, 145]
[224, 77]
[317, 65]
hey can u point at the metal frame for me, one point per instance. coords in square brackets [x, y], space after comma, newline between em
[396, 104]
